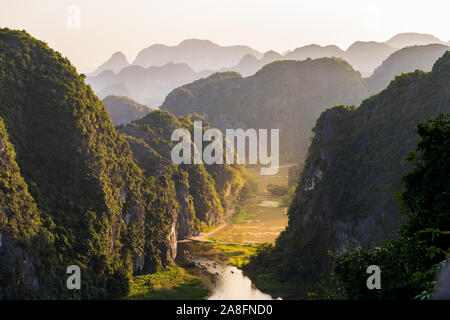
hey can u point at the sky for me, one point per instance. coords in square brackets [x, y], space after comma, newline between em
[107, 26]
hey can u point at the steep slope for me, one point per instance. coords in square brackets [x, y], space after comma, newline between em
[404, 60]
[346, 193]
[98, 210]
[19, 224]
[123, 110]
[410, 264]
[203, 191]
[289, 95]
[199, 54]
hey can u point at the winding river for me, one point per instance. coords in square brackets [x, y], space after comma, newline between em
[230, 283]
[263, 220]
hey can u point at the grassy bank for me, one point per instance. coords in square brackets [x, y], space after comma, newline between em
[267, 283]
[242, 215]
[235, 254]
[171, 284]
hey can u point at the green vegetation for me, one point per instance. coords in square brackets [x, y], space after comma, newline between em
[277, 190]
[203, 191]
[346, 196]
[289, 95]
[287, 199]
[242, 215]
[18, 213]
[74, 194]
[80, 198]
[236, 254]
[172, 283]
[19, 218]
[258, 219]
[249, 189]
[410, 264]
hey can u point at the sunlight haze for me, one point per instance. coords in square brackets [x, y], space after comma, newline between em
[130, 26]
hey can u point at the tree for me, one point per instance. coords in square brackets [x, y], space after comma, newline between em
[410, 264]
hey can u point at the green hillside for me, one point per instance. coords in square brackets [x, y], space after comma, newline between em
[92, 204]
[289, 95]
[346, 195]
[209, 189]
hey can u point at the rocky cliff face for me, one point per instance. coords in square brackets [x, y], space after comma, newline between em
[80, 182]
[19, 223]
[201, 190]
[346, 195]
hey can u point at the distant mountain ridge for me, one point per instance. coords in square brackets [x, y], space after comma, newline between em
[207, 55]
[198, 54]
[159, 68]
[407, 59]
[117, 62]
[363, 56]
[408, 39]
[148, 86]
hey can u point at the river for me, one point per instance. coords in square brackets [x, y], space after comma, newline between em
[261, 220]
[229, 282]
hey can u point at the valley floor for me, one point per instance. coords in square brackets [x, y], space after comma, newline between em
[208, 264]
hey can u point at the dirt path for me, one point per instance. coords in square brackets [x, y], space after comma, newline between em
[203, 236]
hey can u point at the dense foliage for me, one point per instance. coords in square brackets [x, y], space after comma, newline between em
[289, 95]
[346, 196]
[203, 191]
[92, 205]
[170, 284]
[409, 265]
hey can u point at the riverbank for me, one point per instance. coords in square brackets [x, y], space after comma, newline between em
[208, 265]
[173, 283]
[260, 219]
[257, 221]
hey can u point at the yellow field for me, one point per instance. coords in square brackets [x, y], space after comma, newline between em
[260, 219]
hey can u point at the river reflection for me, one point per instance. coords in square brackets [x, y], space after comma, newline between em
[230, 283]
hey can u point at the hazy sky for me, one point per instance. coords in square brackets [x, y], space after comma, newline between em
[131, 25]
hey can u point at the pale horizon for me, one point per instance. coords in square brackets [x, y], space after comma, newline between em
[129, 27]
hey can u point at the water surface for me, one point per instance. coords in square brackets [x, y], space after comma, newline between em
[230, 283]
